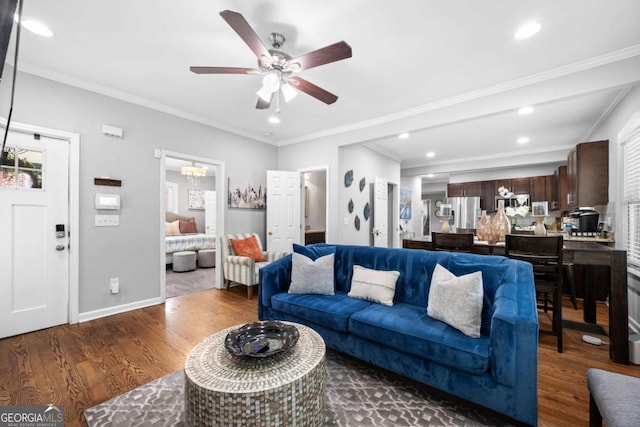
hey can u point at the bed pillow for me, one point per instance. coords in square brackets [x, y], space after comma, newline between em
[373, 285]
[188, 226]
[310, 276]
[248, 247]
[172, 228]
[314, 251]
[457, 301]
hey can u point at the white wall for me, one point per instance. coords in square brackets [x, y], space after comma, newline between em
[131, 251]
[366, 164]
[609, 130]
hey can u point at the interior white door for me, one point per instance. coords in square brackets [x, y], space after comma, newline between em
[283, 210]
[380, 213]
[34, 220]
[210, 208]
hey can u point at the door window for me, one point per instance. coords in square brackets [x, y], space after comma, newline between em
[22, 168]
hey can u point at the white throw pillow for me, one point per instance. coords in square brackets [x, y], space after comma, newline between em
[457, 301]
[311, 277]
[373, 285]
[172, 228]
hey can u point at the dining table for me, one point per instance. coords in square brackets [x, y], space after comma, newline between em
[589, 253]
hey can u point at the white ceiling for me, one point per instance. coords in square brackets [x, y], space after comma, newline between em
[451, 73]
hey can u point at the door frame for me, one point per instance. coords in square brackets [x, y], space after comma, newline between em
[221, 195]
[73, 315]
[319, 168]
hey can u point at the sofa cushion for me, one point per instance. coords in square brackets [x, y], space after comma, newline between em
[332, 311]
[373, 285]
[314, 251]
[311, 276]
[493, 272]
[457, 301]
[409, 328]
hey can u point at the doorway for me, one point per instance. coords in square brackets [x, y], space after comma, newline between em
[314, 219]
[39, 180]
[192, 211]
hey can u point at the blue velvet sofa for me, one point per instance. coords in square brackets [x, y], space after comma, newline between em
[497, 370]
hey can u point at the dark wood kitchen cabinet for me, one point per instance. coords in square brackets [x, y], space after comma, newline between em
[520, 186]
[465, 189]
[588, 174]
[488, 197]
[559, 190]
[541, 189]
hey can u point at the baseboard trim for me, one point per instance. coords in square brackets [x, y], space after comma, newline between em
[104, 312]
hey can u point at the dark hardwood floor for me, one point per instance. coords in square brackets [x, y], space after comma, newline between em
[78, 366]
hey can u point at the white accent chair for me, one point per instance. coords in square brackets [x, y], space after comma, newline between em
[241, 269]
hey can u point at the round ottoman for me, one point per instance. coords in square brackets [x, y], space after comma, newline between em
[184, 261]
[206, 258]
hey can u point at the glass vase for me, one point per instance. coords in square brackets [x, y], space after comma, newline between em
[501, 225]
[483, 228]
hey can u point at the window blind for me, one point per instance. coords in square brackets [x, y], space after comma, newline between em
[631, 197]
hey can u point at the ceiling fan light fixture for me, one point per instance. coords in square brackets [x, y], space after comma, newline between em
[289, 92]
[264, 94]
[527, 30]
[271, 82]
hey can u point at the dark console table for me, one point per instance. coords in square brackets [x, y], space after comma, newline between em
[589, 254]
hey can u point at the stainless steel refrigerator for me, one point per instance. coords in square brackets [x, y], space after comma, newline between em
[465, 211]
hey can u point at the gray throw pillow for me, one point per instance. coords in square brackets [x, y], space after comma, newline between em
[312, 277]
[457, 301]
[373, 285]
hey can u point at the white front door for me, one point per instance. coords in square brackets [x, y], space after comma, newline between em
[380, 213]
[283, 210]
[34, 223]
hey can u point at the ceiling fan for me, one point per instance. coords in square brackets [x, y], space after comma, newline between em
[279, 67]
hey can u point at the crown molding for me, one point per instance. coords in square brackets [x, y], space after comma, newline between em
[577, 67]
[127, 97]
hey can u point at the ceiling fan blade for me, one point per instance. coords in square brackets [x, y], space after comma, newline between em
[332, 53]
[313, 90]
[262, 104]
[246, 33]
[223, 70]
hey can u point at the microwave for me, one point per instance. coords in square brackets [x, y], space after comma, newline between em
[513, 201]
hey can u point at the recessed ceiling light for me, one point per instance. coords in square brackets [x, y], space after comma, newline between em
[430, 175]
[36, 27]
[527, 30]
[403, 135]
[431, 154]
[274, 120]
[526, 110]
[523, 140]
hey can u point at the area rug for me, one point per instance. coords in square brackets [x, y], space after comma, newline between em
[356, 394]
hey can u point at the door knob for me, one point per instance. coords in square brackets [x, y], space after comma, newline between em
[269, 233]
[59, 247]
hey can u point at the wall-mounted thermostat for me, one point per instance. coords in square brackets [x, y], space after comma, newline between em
[107, 201]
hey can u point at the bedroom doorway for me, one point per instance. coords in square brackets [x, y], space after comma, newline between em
[192, 210]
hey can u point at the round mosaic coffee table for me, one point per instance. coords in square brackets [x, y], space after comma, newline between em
[285, 389]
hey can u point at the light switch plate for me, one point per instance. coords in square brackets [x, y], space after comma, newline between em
[107, 220]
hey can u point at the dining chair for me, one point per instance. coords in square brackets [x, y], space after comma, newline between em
[452, 242]
[545, 255]
[466, 230]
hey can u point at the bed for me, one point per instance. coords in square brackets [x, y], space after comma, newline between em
[182, 235]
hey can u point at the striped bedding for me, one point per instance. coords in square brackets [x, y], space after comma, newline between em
[189, 242]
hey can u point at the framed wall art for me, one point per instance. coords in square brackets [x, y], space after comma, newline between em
[196, 198]
[246, 195]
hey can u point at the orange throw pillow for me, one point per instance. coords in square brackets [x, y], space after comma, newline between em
[248, 247]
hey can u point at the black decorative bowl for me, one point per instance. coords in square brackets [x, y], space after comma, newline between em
[261, 339]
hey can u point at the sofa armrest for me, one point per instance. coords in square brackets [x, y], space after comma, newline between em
[513, 340]
[274, 278]
[240, 260]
